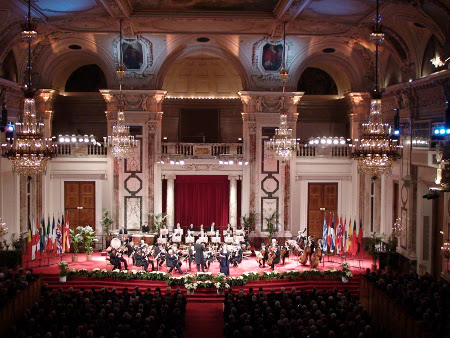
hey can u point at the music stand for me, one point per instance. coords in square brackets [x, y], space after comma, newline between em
[178, 231]
[228, 239]
[164, 231]
[215, 240]
[203, 239]
[162, 240]
[176, 238]
[189, 240]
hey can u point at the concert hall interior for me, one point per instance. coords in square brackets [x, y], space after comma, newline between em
[298, 140]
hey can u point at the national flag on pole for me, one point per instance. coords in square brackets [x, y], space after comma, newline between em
[53, 235]
[49, 246]
[360, 236]
[324, 234]
[63, 234]
[328, 236]
[332, 234]
[59, 238]
[339, 236]
[42, 236]
[349, 237]
[344, 234]
[67, 231]
[38, 238]
[34, 238]
[354, 239]
[29, 240]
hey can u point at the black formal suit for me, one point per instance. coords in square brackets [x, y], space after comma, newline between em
[199, 257]
[173, 262]
[224, 263]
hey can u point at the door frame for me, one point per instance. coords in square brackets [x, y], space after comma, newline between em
[98, 200]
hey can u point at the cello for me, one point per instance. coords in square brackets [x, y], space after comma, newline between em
[272, 255]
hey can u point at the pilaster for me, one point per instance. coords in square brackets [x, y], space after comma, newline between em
[359, 105]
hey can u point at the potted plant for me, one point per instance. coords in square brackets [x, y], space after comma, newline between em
[220, 287]
[75, 239]
[106, 223]
[271, 223]
[391, 249]
[158, 221]
[63, 271]
[190, 288]
[249, 222]
[88, 236]
[371, 245]
[346, 273]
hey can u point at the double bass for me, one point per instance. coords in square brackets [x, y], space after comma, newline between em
[272, 255]
[315, 259]
[304, 256]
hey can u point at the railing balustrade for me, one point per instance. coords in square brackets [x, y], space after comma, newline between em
[201, 150]
[312, 150]
[81, 150]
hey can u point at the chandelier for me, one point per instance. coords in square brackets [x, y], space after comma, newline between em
[120, 142]
[375, 151]
[29, 150]
[282, 143]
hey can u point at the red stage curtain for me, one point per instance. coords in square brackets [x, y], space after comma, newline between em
[202, 199]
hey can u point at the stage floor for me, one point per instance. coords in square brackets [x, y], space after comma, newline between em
[358, 265]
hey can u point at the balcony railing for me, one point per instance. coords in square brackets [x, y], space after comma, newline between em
[312, 150]
[81, 150]
[201, 150]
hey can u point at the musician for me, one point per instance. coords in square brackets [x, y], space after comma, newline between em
[236, 256]
[191, 256]
[285, 252]
[274, 250]
[224, 261]
[115, 260]
[229, 230]
[312, 244]
[246, 241]
[141, 260]
[213, 227]
[202, 234]
[123, 230]
[299, 238]
[162, 233]
[201, 228]
[145, 228]
[176, 237]
[199, 258]
[160, 254]
[217, 234]
[189, 234]
[264, 253]
[209, 257]
[172, 262]
[191, 228]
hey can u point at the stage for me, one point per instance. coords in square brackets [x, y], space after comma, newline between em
[358, 265]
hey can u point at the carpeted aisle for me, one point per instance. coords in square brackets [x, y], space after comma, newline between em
[204, 320]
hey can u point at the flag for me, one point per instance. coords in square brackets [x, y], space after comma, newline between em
[37, 238]
[339, 237]
[59, 238]
[63, 233]
[67, 231]
[53, 235]
[349, 237]
[42, 236]
[324, 234]
[49, 247]
[354, 245]
[29, 240]
[360, 236]
[328, 236]
[332, 236]
[344, 234]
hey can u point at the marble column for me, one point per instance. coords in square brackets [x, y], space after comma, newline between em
[359, 105]
[170, 202]
[233, 203]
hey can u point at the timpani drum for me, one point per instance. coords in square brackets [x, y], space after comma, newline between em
[149, 239]
[116, 243]
[137, 239]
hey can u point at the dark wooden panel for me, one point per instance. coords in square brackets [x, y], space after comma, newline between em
[87, 194]
[71, 194]
[330, 193]
[87, 217]
[322, 200]
[73, 217]
[79, 201]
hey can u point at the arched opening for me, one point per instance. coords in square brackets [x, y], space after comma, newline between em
[202, 104]
[8, 70]
[432, 50]
[81, 110]
[315, 81]
[89, 78]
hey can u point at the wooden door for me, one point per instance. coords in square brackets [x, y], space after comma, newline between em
[79, 203]
[322, 200]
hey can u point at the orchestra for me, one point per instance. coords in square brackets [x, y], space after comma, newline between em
[206, 247]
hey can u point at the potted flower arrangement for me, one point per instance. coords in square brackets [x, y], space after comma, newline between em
[191, 287]
[75, 239]
[346, 273]
[63, 271]
[371, 244]
[221, 286]
[88, 235]
[106, 223]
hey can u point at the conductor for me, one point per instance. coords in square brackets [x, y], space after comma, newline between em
[199, 258]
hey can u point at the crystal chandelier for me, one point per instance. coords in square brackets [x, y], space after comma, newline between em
[282, 143]
[29, 150]
[120, 142]
[375, 151]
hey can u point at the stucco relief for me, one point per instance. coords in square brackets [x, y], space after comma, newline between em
[137, 54]
[202, 167]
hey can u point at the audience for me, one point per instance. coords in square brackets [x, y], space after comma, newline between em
[424, 297]
[295, 314]
[12, 283]
[90, 313]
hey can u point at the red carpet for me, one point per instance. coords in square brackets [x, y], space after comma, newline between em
[204, 320]
[249, 264]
